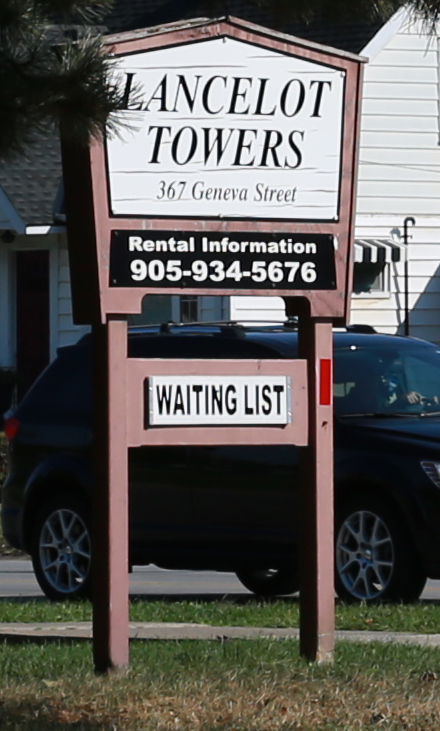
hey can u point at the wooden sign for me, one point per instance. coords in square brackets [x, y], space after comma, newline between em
[232, 169]
[227, 128]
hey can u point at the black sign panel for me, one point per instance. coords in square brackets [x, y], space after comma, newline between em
[214, 260]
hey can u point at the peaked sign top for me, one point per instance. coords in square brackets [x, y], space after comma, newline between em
[227, 129]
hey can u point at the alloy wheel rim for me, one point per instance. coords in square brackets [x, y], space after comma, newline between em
[65, 551]
[364, 555]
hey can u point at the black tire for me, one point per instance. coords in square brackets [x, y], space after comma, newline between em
[270, 582]
[375, 558]
[61, 548]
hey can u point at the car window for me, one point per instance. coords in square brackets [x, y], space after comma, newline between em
[387, 380]
[65, 387]
[418, 371]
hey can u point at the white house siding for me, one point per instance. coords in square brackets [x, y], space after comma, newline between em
[7, 341]
[399, 176]
[257, 309]
[213, 308]
[9, 218]
[66, 332]
[4, 219]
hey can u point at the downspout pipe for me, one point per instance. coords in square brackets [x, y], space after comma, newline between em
[409, 220]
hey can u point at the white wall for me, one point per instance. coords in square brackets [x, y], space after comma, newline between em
[399, 176]
[4, 219]
[213, 308]
[9, 218]
[257, 309]
[386, 313]
[65, 332]
[7, 342]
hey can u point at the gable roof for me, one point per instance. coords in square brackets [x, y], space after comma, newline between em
[31, 181]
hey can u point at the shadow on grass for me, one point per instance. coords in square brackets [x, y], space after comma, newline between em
[35, 716]
[24, 600]
[14, 639]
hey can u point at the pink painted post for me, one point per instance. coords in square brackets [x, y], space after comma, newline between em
[110, 533]
[317, 597]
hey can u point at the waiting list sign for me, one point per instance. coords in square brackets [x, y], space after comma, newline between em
[218, 400]
[224, 128]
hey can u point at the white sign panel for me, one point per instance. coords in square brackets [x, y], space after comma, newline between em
[223, 128]
[218, 400]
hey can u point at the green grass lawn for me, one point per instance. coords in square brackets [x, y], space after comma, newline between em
[257, 685]
[423, 617]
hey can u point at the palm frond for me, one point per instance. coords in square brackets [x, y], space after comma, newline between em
[429, 10]
[46, 77]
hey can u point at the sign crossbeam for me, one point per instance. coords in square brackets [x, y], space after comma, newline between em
[270, 375]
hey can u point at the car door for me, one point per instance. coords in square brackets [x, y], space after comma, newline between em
[161, 492]
[245, 497]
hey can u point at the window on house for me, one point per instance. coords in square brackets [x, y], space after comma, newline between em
[371, 278]
[189, 308]
[156, 308]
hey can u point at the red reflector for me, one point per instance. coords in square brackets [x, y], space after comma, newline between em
[11, 428]
[325, 382]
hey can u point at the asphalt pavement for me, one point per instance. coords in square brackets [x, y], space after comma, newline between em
[17, 580]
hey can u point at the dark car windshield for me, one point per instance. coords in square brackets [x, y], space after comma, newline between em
[387, 380]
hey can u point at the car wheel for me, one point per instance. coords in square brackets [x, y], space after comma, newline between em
[61, 548]
[375, 556]
[270, 582]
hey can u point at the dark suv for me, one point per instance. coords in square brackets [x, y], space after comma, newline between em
[235, 508]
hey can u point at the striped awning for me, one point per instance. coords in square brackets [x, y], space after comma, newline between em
[377, 251]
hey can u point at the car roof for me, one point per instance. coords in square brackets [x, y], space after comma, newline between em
[281, 336]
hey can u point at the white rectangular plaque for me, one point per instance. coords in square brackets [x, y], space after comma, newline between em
[219, 400]
[223, 128]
